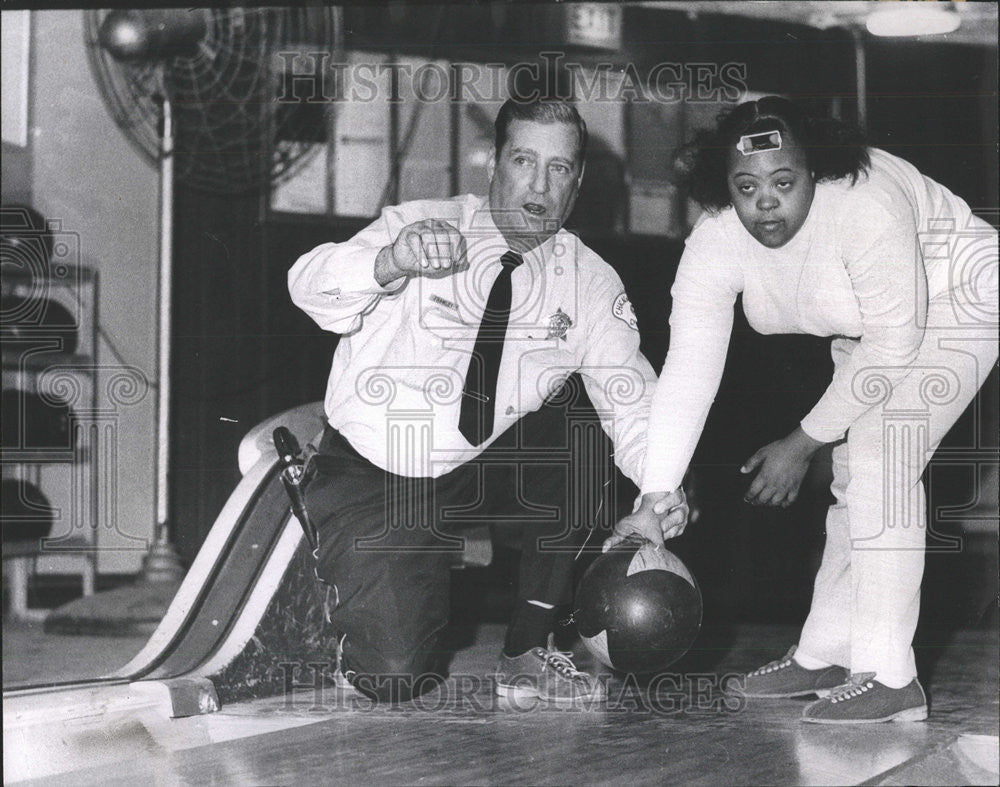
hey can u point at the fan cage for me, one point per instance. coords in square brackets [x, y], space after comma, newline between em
[232, 134]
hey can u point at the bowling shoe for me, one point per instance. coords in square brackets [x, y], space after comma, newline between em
[785, 678]
[546, 674]
[866, 701]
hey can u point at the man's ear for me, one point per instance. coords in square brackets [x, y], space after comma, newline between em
[491, 163]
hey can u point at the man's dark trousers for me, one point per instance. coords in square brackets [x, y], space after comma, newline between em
[387, 542]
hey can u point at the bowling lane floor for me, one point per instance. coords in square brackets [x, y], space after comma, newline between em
[679, 730]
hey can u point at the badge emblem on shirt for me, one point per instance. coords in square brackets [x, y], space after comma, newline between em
[622, 309]
[559, 323]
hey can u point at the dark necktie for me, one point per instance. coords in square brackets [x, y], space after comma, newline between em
[475, 421]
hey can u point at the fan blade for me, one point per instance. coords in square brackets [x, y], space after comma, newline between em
[155, 34]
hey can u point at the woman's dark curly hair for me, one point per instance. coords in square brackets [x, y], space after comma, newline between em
[834, 149]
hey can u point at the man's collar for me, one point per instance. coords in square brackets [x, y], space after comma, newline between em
[482, 225]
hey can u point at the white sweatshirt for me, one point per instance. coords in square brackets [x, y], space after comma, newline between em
[863, 265]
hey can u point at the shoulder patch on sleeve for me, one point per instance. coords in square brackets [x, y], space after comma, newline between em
[622, 309]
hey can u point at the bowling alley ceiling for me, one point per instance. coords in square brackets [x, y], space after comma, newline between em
[978, 20]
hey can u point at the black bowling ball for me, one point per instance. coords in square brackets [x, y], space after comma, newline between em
[42, 320]
[638, 609]
[27, 309]
[26, 514]
[24, 236]
[28, 422]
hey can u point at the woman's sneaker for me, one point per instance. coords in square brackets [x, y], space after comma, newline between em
[546, 674]
[866, 701]
[785, 678]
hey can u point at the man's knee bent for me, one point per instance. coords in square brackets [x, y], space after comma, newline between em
[397, 677]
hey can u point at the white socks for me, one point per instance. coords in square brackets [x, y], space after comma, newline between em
[808, 662]
[894, 684]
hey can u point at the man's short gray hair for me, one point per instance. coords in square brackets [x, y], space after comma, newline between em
[540, 110]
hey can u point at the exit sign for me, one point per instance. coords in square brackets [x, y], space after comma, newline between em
[596, 25]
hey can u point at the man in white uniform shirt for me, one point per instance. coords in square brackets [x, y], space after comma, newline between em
[458, 318]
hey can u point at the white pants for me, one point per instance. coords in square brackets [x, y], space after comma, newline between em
[866, 598]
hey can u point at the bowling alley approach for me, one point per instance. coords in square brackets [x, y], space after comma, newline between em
[501, 393]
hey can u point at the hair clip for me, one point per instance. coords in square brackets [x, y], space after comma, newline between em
[758, 143]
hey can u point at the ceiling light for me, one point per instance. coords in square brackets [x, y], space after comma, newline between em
[913, 19]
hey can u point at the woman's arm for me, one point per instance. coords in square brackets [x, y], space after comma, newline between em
[701, 320]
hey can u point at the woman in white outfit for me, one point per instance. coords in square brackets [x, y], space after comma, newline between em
[825, 236]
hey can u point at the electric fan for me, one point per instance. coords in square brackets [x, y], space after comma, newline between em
[206, 82]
